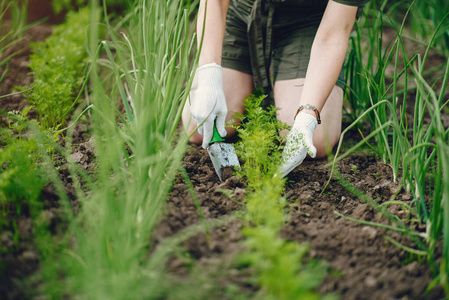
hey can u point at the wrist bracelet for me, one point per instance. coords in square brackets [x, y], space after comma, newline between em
[311, 107]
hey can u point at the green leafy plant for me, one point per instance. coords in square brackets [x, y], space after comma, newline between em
[20, 177]
[18, 120]
[25, 165]
[59, 5]
[57, 65]
[261, 144]
[279, 266]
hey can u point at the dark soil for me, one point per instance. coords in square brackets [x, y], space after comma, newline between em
[362, 263]
[18, 259]
[368, 266]
[19, 73]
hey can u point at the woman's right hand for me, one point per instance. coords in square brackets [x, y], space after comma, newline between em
[209, 102]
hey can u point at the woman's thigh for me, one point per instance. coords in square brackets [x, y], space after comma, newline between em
[287, 96]
[237, 86]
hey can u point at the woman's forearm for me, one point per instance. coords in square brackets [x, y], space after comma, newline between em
[328, 53]
[212, 14]
[324, 67]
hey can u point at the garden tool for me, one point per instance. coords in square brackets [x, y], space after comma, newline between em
[222, 154]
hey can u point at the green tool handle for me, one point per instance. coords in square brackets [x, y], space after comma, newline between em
[216, 136]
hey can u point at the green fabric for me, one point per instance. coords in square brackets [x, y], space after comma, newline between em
[258, 31]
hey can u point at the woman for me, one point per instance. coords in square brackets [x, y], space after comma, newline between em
[301, 44]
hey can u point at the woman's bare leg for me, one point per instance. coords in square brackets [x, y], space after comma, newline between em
[287, 94]
[237, 86]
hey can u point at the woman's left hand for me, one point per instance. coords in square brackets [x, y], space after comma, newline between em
[299, 142]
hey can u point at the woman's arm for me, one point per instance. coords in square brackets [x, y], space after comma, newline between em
[207, 100]
[328, 53]
[214, 30]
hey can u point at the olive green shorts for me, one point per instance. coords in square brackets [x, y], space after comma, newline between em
[293, 32]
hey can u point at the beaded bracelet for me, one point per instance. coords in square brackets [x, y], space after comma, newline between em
[309, 106]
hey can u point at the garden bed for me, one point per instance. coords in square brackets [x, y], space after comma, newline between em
[362, 264]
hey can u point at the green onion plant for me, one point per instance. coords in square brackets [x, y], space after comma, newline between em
[416, 148]
[137, 150]
[367, 81]
[139, 79]
[425, 17]
[13, 25]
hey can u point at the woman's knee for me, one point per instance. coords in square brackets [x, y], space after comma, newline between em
[325, 140]
[327, 134]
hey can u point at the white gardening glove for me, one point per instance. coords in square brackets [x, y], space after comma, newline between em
[299, 142]
[208, 102]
